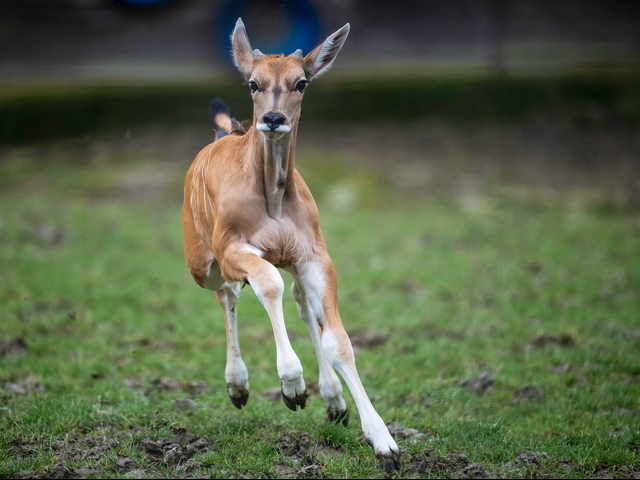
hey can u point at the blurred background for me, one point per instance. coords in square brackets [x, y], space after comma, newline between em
[468, 93]
[476, 165]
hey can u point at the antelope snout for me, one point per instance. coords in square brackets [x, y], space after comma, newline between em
[273, 122]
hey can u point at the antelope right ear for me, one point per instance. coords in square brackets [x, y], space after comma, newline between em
[319, 60]
[241, 52]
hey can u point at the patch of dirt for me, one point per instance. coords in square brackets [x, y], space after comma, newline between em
[412, 286]
[184, 404]
[156, 344]
[60, 471]
[294, 444]
[22, 448]
[529, 392]
[24, 388]
[175, 451]
[311, 471]
[196, 387]
[126, 464]
[14, 346]
[273, 394]
[560, 369]
[307, 456]
[362, 339]
[308, 471]
[47, 235]
[602, 474]
[473, 470]
[167, 384]
[529, 457]
[614, 471]
[397, 431]
[437, 465]
[285, 471]
[480, 384]
[562, 340]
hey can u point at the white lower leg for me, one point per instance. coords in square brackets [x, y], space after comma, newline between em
[236, 373]
[337, 348]
[289, 367]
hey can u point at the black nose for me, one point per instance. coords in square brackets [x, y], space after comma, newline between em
[273, 120]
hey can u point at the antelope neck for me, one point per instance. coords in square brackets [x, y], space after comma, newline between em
[276, 159]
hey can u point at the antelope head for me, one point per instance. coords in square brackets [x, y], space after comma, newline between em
[278, 82]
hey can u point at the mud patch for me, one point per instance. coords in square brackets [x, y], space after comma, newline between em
[47, 235]
[602, 474]
[560, 369]
[167, 384]
[127, 464]
[24, 388]
[92, 448]
[307, 456]
[528, 457]
[397, 431]
[185, 404]
[274, 394]
[311, 471]
[362, 339]
[196, 387]
[434, 465]
[480, 384]
[14, 346]
[529, 393]
[473, 470]
[294, 444]
[60, 471]
[562, 340]
[175, 451]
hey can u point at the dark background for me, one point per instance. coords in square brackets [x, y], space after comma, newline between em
[549, 90]
[151, 39]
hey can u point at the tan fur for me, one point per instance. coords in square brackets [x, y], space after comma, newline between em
[225, 204]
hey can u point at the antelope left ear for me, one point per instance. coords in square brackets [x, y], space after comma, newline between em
[320, 59]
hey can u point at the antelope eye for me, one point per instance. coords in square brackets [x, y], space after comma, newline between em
[301, 85]
[254, 86]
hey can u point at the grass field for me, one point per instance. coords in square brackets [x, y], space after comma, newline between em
[490, 325]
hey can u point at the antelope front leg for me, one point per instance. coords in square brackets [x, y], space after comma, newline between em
[320, 283]
[269, 288]
[235, 372]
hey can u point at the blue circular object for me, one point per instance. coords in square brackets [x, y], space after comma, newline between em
[303, 27]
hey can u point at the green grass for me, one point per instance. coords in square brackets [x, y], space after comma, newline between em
[93, 279]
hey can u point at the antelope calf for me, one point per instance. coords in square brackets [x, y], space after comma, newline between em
[247, 212]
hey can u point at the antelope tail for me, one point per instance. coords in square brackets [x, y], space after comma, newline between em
[221, 117]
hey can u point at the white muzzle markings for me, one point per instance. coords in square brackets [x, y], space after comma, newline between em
[263, 127]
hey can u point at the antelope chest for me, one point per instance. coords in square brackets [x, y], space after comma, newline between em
[282, 242]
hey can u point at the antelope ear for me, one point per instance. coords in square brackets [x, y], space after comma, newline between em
[241, 52]
[320, 59]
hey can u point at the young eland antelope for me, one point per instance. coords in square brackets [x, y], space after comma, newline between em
[247, 212]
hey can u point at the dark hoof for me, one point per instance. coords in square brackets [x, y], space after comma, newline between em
[241, 400]
[292, 403]
[389, 462]
[334, 416]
